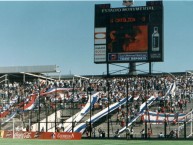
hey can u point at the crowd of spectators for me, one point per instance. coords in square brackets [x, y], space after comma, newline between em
[111, 90]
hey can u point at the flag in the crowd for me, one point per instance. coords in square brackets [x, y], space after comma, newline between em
[127, 2]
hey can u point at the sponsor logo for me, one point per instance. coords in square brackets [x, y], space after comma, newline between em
[37, 135]
[27, 135]
[18, 135]
[100, 35]
[65, 136]
[8, 134]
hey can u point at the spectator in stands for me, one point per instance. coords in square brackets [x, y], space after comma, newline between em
[27, 128]
[161, 135]
[149, 132]
[136, 87]
[103, 134]
[94, 132]
[100, 132]
[62, 127]
[142, 133]
[87, 133]
[176, 133]
[122, 122]
[131, 133]
[117, 133]
[171, 135]
[127, 132]
[57, 129]
[42, 130]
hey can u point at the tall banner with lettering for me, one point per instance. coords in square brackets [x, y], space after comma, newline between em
[128, 34]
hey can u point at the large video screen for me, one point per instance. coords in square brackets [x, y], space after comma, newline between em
[130, 34]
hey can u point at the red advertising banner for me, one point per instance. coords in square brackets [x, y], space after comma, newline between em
[42, 135]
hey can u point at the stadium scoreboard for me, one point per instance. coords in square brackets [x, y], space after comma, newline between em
[128, 34]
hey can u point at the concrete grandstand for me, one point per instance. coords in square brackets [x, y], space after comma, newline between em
[68, 104]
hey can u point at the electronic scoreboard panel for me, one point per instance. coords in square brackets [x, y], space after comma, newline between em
[128, 34]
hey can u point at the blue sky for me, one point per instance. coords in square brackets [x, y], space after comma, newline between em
[61, 33]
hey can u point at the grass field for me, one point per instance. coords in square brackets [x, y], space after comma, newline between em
[92, 142]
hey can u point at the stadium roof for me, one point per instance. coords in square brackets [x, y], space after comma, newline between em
[29, 69]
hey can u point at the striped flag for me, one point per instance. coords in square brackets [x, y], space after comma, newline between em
[128, 3]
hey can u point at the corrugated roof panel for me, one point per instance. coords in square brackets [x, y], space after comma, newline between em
[29, 69]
